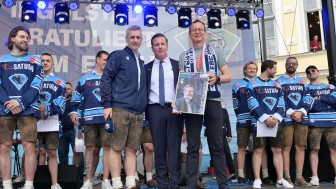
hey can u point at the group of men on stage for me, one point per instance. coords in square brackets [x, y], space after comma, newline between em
[300, 113]
[122, 88]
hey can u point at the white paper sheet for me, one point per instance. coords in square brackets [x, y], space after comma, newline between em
[264, 131]
[184, 147]
[50, 124]
[79, 145]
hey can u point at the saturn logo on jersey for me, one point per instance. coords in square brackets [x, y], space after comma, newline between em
[18, 80]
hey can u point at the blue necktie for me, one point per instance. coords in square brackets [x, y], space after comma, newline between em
[161, 85]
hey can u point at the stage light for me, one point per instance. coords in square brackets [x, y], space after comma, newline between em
[171, 9]
[107, 6]
[41, 4]
[150, 16]
[243, 19]
[200, 10]
[184, 17]
[74, 5]
[259, 13]
[121, 15]
[138, 7]
[29, 11]
[230, 11]
[214, 18]
[61, 13]
[8, 3]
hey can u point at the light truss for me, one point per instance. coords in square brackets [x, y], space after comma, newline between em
[219, 4]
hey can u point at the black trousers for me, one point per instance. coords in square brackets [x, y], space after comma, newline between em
[213, 121]
[166, 130]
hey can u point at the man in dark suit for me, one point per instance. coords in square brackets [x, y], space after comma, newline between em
[186, 103]
[166, 127]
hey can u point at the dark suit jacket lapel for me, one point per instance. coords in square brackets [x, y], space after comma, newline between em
[175, 67]
[149, 67]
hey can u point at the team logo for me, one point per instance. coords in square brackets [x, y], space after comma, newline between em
[295, 98]
[18, 80]
[270, 102]
[96, 93]
[44, 97]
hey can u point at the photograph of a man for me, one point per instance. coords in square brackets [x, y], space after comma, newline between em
[187, 103]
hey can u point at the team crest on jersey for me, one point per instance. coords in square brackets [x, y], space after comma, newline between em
[44, 97]
[18, 80]
[96, 92]
[295, 98]
[270, 102]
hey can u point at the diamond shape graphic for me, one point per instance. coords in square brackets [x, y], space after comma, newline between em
[18, 80]
[96, 92]
[295, 98]
[270, 102]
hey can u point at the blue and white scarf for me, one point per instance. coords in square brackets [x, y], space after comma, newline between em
[209, 64]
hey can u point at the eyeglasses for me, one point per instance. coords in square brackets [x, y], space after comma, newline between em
[291, 64]
[311, 71]
[197, 29]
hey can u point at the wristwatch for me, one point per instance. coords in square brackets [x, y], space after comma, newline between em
[217, 79]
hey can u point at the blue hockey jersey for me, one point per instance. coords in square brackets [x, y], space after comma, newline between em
[20, 79]
[239, 98]
[296, 98]
[52, 95]
[322, 111]
[265, 100]
[87, 96]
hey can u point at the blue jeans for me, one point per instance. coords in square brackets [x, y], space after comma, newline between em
[68, 137]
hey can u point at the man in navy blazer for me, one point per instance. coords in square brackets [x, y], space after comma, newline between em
[166, 128]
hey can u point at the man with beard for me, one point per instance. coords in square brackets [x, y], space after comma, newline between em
[21, 78]
[186, 104]
[266, 104]
[295, 124]
[244, 129]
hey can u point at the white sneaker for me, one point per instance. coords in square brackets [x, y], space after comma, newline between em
[106, 184]
[28, 187]
[87, 185]
[283, 183]
[7, 184]
[314, 181]
[335, 181]
[56, 186]
[19, 178]
[257, 183]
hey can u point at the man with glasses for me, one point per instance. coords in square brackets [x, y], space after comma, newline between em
[206, 59]
[322, 116]
[295, 124]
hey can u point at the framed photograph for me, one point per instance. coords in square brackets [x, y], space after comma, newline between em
[191, 93]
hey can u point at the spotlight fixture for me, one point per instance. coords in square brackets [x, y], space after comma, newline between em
[138, 7]
[171, 8]
[230, 11]
[150, 16]
[243, 19]
[214, 18]
[121, 15]
[8, 3]
[42, 4]
[184, 17]
[107, 6]
[259, 13]
[61, 13]
[29, 11]
[74, 5]
[200, 10]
